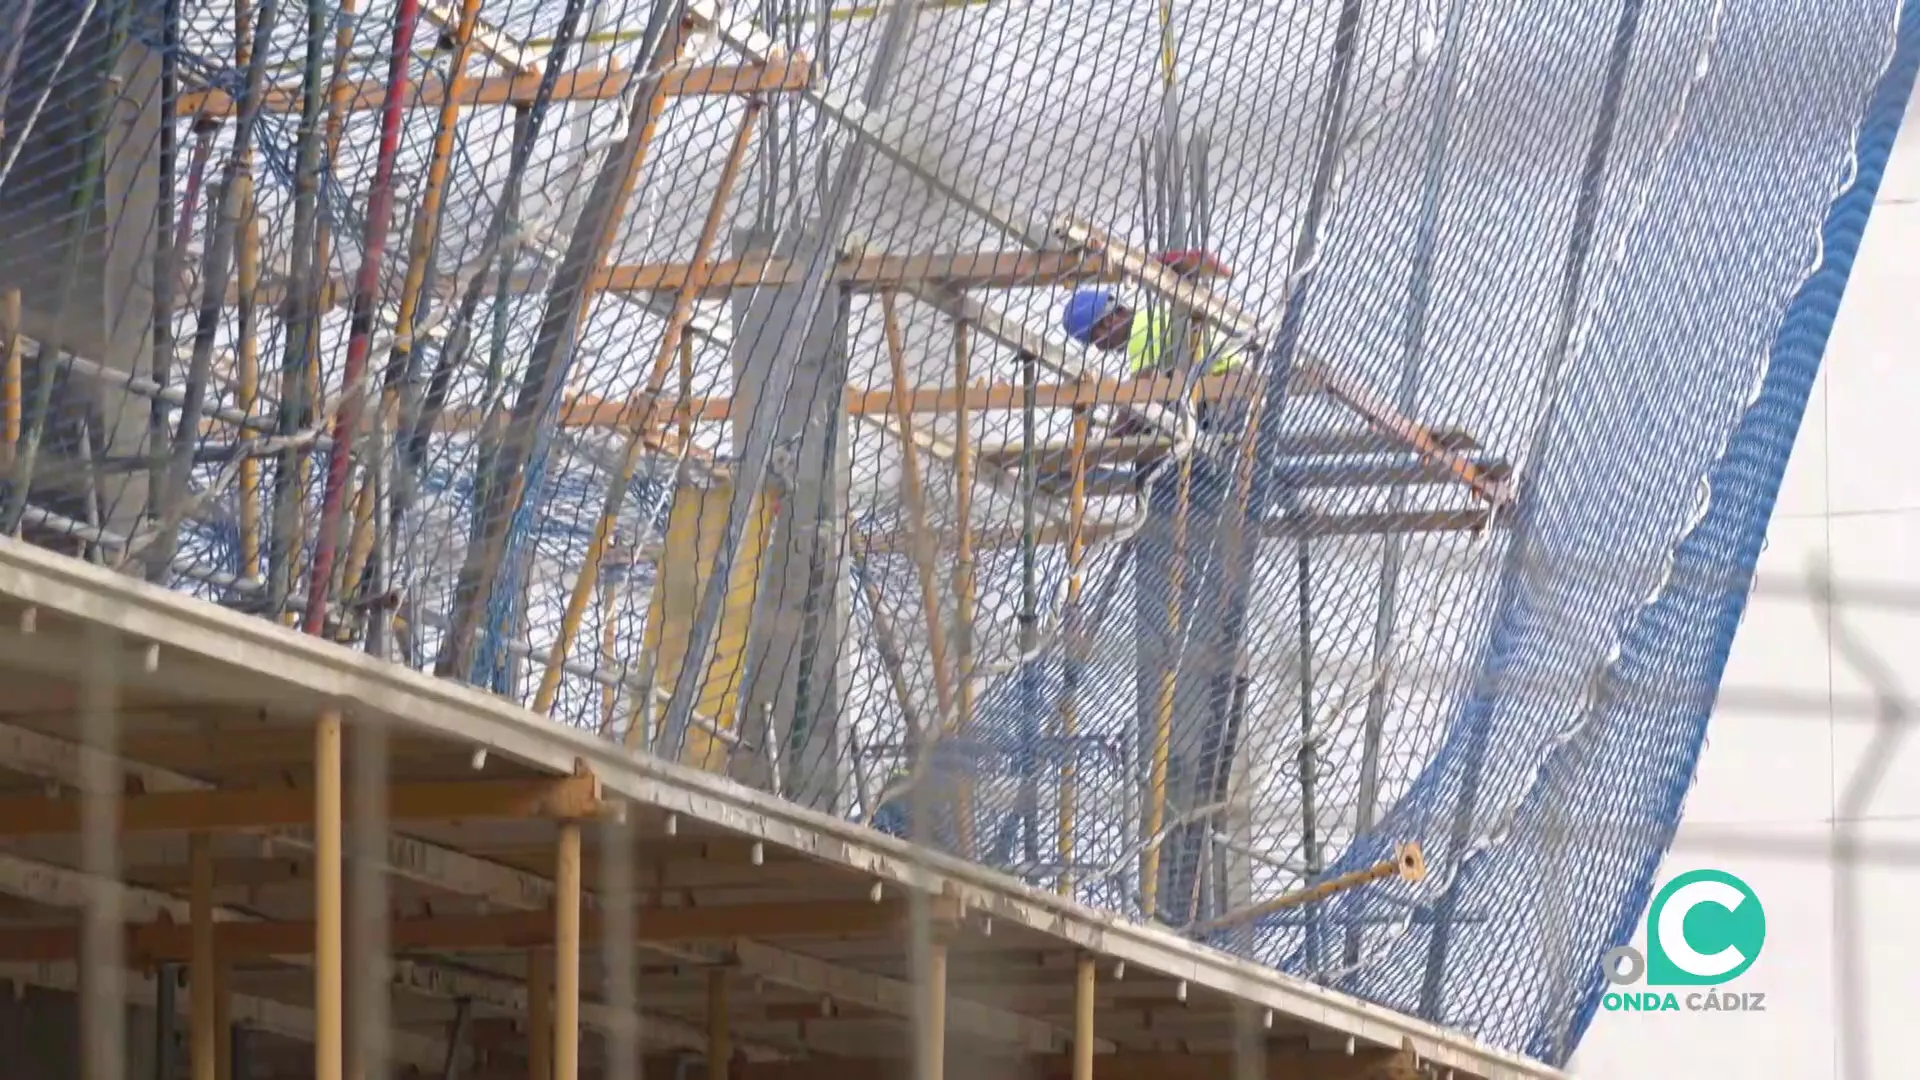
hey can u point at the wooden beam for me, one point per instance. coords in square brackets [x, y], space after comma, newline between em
[602, 84]
[1283, 1061]
[587, 411]
[864, 273]
[223, 810]
[56, 886]
[513, 931]
[512, 888]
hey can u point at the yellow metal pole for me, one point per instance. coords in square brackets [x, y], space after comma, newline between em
[719, 1036]
[963, 576]
[1408, 864]
[677, 320]
[540, 1014]
[328, 854]
[249, 329]
[925, 550]
[200, 976]
[1076, 646]
[1083, 988]
[685, 407]
[609, 642]
[566, 954]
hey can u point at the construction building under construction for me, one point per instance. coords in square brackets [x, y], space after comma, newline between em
[773, 540]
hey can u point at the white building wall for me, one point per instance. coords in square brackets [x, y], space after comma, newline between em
[1816, 743]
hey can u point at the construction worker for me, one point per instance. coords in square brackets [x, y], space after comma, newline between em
[1098, 318]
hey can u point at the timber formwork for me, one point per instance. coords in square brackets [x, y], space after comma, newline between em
[768, 941]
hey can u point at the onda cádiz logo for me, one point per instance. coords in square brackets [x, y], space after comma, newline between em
[1704, 929]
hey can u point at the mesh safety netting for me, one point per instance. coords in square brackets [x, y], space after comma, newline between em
[1173, 453]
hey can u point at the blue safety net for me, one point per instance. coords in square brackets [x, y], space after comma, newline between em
[1174, 454]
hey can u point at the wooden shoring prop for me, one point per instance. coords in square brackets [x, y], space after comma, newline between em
[326, 938]
[920, 537]
[566, 953]
[668, 348]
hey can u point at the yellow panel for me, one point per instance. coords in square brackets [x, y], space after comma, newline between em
[694, 531]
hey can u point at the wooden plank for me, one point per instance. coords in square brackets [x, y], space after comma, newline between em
[864, 274]
[510, 800]
[783, 75]
[587, 411]
[511, 931]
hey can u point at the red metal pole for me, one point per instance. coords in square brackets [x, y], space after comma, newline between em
[366, 287]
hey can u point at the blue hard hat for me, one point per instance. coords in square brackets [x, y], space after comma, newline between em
[1085, 308]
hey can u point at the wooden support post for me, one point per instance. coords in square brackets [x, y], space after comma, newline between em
[963, 577]
[925, 552]
[566, 954]
[1083, 987]
[719, 1036]
[933, 1034]
[223, 1029]
[328, 853]
[201, 979]
[540, 1014]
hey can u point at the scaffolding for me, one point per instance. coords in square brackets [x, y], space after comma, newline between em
[693, 374]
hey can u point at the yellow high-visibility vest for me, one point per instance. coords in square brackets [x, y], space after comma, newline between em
[1147, 336]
